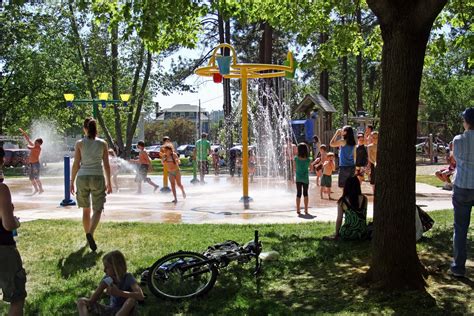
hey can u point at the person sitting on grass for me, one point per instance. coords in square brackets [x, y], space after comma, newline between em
[445, 174]
[121, 286]
[353, 207]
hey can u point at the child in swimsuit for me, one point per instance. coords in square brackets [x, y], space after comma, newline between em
[171, 160]
[143, 168]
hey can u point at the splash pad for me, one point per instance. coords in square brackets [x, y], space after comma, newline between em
[228, 68]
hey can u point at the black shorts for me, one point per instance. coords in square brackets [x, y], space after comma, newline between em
[344, 174]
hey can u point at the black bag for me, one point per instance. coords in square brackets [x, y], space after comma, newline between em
[426, 221]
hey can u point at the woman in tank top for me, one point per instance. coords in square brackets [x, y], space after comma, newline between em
[91, 159]
[345, 140]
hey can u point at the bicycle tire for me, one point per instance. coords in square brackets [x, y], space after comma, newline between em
[167, 280]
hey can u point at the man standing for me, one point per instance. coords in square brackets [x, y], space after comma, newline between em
[202, 151]
[463, 191]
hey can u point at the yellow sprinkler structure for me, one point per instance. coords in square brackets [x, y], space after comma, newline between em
[227, 67]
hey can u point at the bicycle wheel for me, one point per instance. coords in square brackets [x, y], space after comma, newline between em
[182, 274]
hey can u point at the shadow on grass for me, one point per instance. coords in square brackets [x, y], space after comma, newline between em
[78, 261]
[60, 299]
[315, 276]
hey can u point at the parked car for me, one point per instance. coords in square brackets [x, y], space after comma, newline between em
[186, 150]
[153, 151]
[16, 157]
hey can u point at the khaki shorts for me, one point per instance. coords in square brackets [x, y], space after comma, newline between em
[91, 189]
[12, 274]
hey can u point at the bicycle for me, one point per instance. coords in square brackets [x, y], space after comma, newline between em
[187, 274]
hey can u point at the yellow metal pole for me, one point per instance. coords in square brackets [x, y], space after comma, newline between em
[165, 176]
[245, 138]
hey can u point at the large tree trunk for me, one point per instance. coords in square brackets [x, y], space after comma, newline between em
[405, 31]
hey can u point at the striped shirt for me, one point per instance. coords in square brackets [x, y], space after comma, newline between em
[464, 155]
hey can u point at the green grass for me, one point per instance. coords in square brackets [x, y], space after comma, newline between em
[311, 277]
[429, 179]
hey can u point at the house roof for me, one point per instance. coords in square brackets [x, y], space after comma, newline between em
[204, 116]
[183, 108]
[312, 100]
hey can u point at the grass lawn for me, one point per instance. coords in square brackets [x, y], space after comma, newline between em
[429, 179]
[311, 277]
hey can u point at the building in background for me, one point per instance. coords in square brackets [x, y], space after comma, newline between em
[188, 112]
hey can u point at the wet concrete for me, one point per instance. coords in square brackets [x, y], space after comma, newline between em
[217, 201]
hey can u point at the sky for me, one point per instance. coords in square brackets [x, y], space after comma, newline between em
[208, 92]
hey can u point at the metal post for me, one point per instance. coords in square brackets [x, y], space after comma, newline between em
[165, 188]
[245, 139]
[94, 110]
[430, 148]
[67, 188]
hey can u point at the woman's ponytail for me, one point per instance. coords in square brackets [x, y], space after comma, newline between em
[91, 126]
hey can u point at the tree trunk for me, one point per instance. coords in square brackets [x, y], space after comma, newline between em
[133, 101]
[82, 54]
[140, 99]
[115, 89]
[359, 91]
[224, 37]
[405, 31]
[324, 75]
[345, 89]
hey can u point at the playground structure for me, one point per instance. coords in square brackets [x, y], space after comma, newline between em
[318, 113]
[432, 141]
[227, 67]
[103, 100]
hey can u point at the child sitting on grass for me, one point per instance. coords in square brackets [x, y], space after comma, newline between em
[121, 286]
